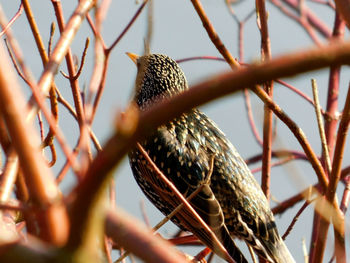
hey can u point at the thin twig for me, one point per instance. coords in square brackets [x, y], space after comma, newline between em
[76, 92]
[70, 109]
[62, 173]
[133, 19]
[298, 92]
[251, 117]
[346, 198]
[306, 194]
[8, 176]
[305, 253]
[214, 37]
[278, 154]
[332, 111]
[331, 123]
[186, 240]
[13, 19]
[96, 32]
[150, 26]
[87, 41]
[107, 249]
[296, 217]
[52, 33]
[44, 58]
[312, 19]
[19, 72]
[321, 126]
[63, 44]
[274, 164]
[268, 87]
[199, 58]
[35, 31]
[37, 96]
[97, 82]
[298, 133]
[59, 52]
[324, 2]
[336, 173]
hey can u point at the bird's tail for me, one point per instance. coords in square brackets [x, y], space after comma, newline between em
[227, 241]
[282, 254]
[209, 209]
[278, 253]
[274, 252]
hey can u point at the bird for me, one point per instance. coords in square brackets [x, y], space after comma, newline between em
[194, 154]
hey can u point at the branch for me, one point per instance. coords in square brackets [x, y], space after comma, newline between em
[63, 44]
[343, 7]
[214, 37]
[32, 251]
[331, 124]
[335, 176]
[318, 24]
[306, 194]
[70, 63]
[133, 235]
[298, 133]
[268, 87]
[13, 19]
[39, 179]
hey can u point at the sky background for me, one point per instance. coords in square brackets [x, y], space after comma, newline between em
[178, 32]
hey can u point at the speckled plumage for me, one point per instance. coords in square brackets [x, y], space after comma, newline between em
[231, 201]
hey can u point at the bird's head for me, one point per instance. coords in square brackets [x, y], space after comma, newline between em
[158, 77]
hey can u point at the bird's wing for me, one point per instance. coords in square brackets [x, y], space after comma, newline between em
[246, 210]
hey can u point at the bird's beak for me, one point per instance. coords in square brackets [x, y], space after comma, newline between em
[133, 57]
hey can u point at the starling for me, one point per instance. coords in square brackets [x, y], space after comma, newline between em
[192, 152]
